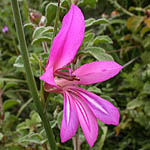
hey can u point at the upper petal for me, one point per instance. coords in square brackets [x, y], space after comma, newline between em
[70, 120]
[48, 76]
[67, 42]
[102, 109]
[87, 120]
[97, 71]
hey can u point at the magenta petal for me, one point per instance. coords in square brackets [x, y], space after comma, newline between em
[67, 42]
[97, 71]
[102, 109]
[87, 120]
[70, 121]
[48, 76]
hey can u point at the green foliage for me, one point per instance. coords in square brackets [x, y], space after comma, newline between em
[98, 53]
[90, 22]
[50, 12]
[42, 34]
[115, 30]
[10, 103]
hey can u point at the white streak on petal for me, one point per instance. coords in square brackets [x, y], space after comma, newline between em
[83, 112]
[94, 103]
[68, 109]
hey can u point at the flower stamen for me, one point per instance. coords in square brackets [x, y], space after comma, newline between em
[66, 75]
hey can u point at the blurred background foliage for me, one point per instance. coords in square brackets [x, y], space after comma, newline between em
[115, 30]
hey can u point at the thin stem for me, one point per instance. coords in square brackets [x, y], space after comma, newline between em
[44, 44]
[42, 87]
[56, 20]
[76, 141]
[70, 2]
[118, 6]
[1, 107]
[23, 107]
[131, 61]
[12, 80]
[29, 74]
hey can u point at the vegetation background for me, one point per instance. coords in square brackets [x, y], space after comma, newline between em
[115, 30]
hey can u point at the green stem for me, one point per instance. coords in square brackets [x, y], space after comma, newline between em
[56, 20]
[118, 6]
[70, 2]
[42, 88]
[44, 44]
[76, 141]
[29, 74]
[12, 80]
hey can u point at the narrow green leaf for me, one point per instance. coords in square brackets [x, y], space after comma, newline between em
[41, 39]
[102, 39]
[1, 84]
[118, 21]
[91, 3]
[39, 31]
[134, 22]
[59, 119]
[108, 98]
[88, 38]
[94, 89]
[29, 25]
[91, 21]
[42, 34]
[35, 117]
[98, 53]
[103, 137]
[53, 123]
[65, 4]
[19, 62]
[10, 103]
[24, 106]
[134, 103]
[95, 50]
[22, 126]
[144, 31]
[50, 14]
[10, 85]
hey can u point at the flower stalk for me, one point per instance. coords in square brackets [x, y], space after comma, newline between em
[76, 141]
[30, 78]
[56, 20]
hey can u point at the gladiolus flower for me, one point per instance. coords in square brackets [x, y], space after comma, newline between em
[80, 106]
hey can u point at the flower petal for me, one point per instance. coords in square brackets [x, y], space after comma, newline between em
[102, 109]
[70, 120]
[68, 40]
[97, 71]
[87, 120]
[48, 77]
[66, 44]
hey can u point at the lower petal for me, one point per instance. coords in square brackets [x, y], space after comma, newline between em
[70, 121]
[87, 120]
[102, 109]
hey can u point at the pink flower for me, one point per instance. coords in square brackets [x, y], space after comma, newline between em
[4, 29]
[80, 106]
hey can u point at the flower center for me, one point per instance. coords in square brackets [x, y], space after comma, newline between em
[62, 73]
